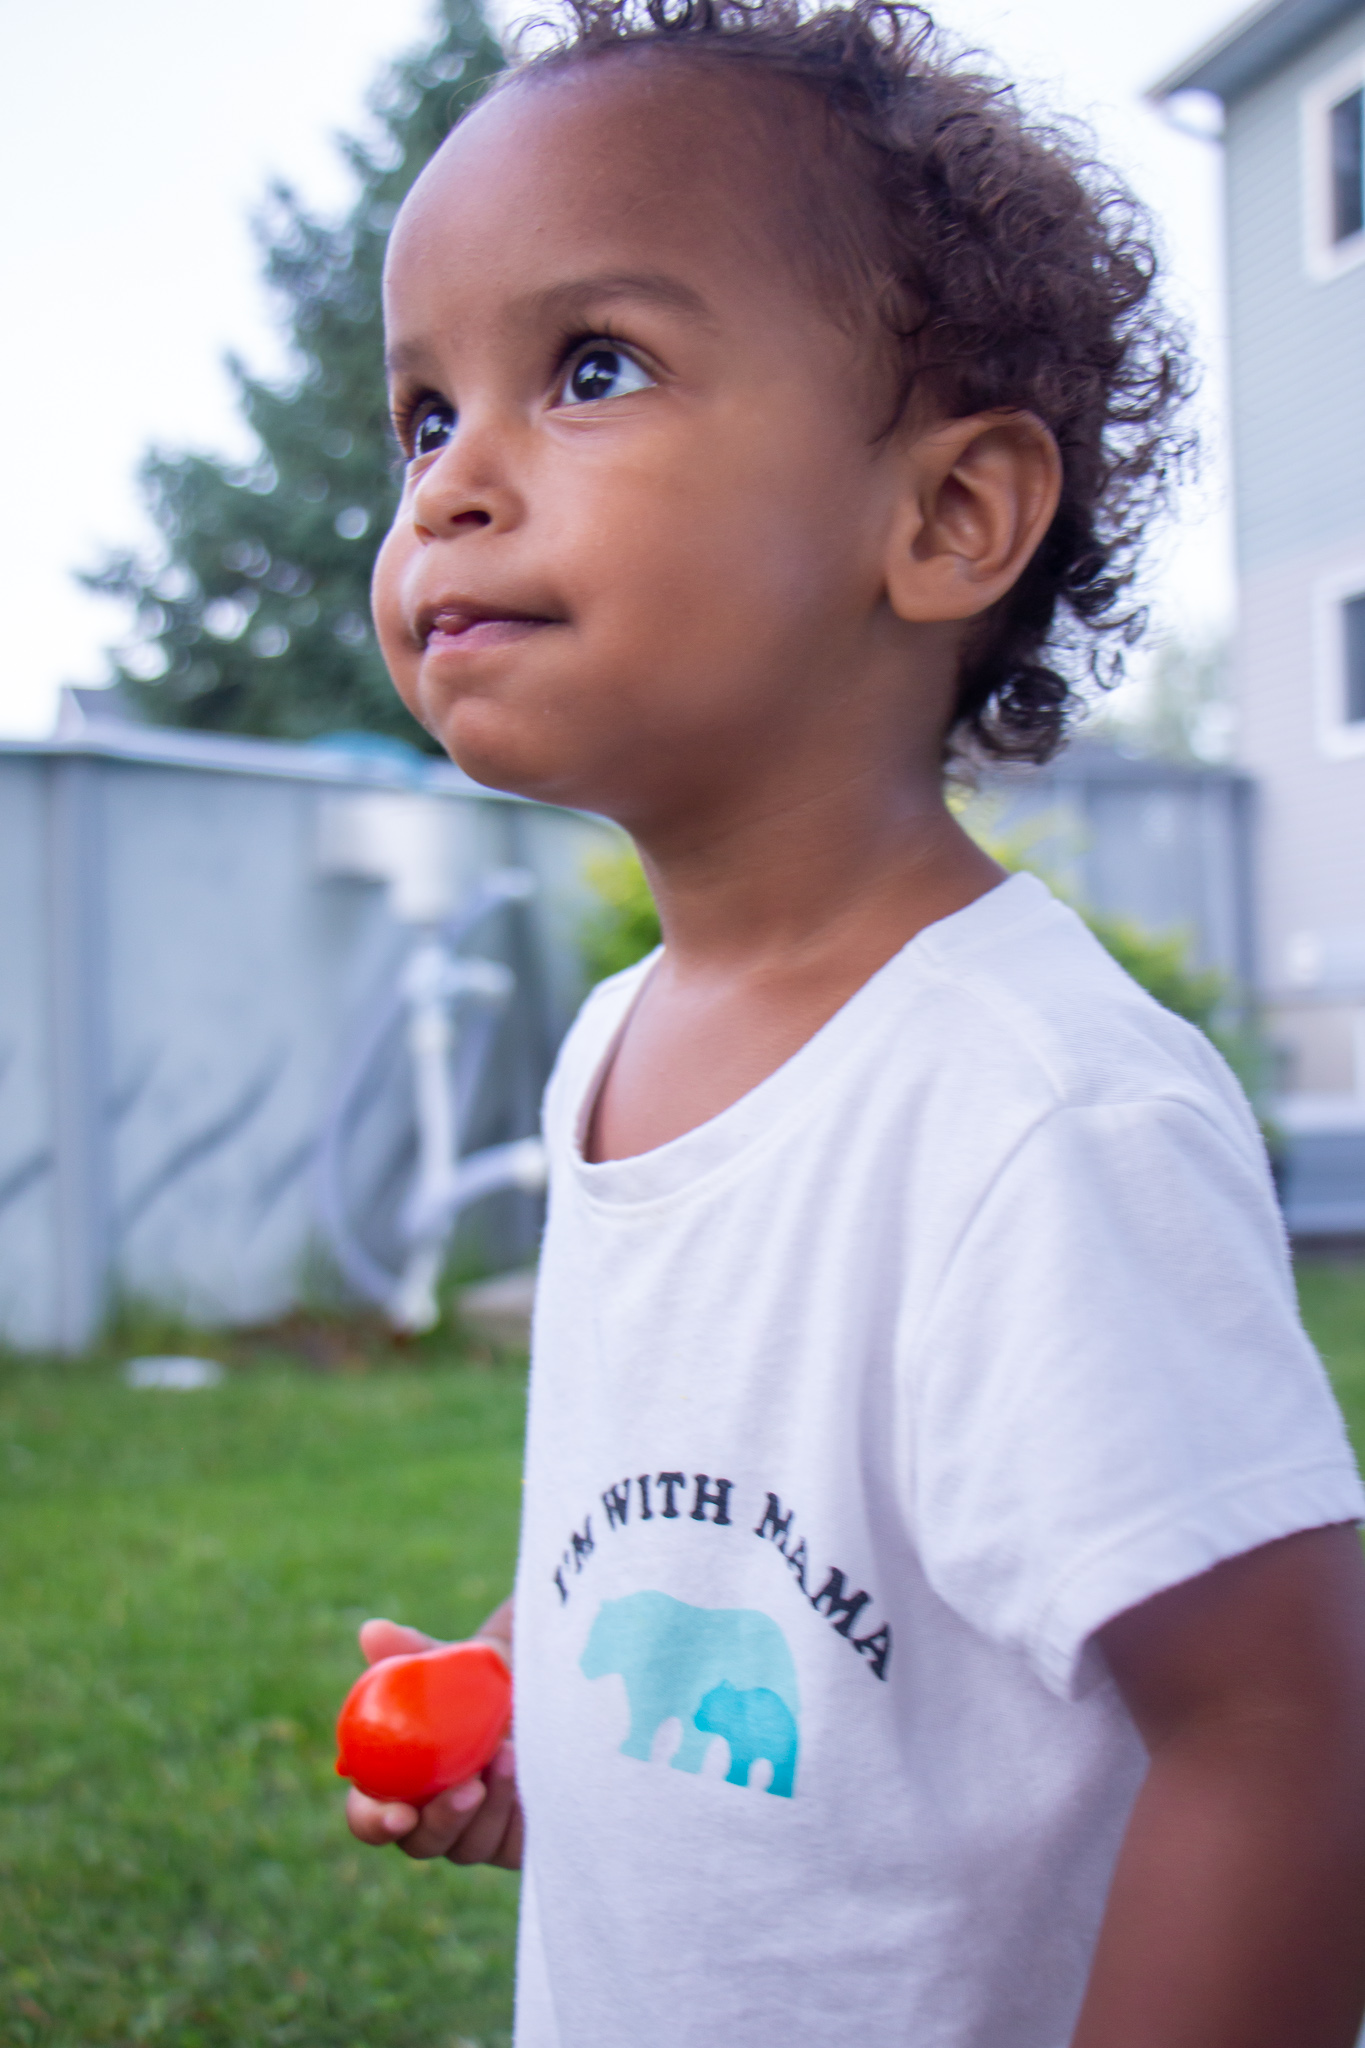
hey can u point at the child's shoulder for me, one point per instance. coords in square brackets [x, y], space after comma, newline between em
[1029, 999]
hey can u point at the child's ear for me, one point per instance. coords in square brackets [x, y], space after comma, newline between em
[978, 495]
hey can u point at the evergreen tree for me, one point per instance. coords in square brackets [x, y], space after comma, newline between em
[255, 618]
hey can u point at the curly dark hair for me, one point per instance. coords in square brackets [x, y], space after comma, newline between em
[1001, 268]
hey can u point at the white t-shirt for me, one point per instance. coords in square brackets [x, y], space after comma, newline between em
[854, 1413]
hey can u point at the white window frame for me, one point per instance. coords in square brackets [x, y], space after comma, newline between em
[1340, 738]
[1325, 259]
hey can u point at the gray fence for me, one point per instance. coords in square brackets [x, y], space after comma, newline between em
[193, 932]
[1165, 845]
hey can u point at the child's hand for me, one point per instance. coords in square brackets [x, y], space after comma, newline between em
[477, 1822]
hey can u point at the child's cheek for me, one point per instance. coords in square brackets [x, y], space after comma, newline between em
[386, 588]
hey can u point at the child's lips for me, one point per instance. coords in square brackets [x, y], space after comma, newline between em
[468, 630]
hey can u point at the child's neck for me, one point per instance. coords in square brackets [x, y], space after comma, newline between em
[769, 927]
[832, 875]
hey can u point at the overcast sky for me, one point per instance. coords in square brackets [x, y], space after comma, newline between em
[135, 140]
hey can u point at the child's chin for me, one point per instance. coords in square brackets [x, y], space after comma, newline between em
[506, 761]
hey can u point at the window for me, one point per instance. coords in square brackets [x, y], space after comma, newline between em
[1346, 121]
[1339, 661]
[1353, 664]
[1334, 170]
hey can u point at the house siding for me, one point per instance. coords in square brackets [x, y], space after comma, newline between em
[1298, 345]
[1298, 400]
[1311, 830]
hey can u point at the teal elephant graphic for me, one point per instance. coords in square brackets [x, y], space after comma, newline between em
[718, 1670]
[757, 1723]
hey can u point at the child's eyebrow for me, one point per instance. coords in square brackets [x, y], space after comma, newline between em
[575, 296]
[573, 301]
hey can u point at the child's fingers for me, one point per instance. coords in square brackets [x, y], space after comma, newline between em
[378, 1821]
[477, 1822]
[391, 1639]
[443, 1822]
[509, 1856]
[498, 1630]
[493, 1834]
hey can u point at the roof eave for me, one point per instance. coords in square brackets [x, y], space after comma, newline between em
[1265, 35]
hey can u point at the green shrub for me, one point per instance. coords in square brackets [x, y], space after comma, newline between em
[625, 924]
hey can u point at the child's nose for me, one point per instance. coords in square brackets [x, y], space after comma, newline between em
[466, 488]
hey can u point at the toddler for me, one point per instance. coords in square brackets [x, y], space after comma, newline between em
[939, 1618]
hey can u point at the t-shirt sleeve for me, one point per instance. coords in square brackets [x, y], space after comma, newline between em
[1113, 1391]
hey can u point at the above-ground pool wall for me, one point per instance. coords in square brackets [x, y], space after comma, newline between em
[1167, 846]
[31, 1276]
[185, 971]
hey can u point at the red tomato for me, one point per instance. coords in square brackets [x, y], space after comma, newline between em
[412, 1726]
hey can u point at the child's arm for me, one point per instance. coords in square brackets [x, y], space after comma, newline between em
[1236, 1918]
[477, 1822]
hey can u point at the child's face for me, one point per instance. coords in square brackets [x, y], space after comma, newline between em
[645, 514]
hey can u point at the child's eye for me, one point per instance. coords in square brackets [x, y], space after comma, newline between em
[604, 371]
[431, 428]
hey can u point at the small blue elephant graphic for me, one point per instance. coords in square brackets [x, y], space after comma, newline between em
[718, 1670]
[754, 1723]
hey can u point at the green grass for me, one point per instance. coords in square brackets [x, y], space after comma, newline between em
[182, 1579]
[1332, 1295]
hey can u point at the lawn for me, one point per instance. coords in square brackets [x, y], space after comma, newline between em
[182, 1579]
[1332, 1295]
